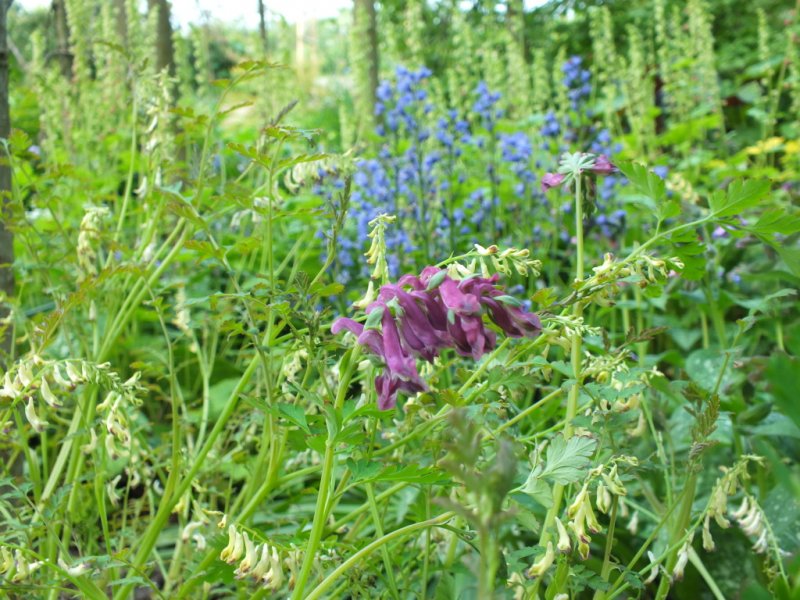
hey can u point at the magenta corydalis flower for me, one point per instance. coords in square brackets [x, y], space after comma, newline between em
[603, 166]
[421, 316]
[551, 180]
[574, 165]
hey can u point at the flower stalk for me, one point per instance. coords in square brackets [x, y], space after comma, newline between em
[350, 363]
[576, 349]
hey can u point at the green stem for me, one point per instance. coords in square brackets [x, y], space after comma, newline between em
[350, 360]
[326, 583]
[129, 181]
[387, 562]
[575, 347]
[528, 411]
[156, 526]
[678, 532]
[605, 571]
[364, 507]
[488, 563]
[707, 577]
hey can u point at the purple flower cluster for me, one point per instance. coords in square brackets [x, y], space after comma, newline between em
[444, 174]
[601, 166]
[551, 127]
[421, 316]
[485, 106]
[576, 80]
[399, 105]
[603, 145]
[516, 150]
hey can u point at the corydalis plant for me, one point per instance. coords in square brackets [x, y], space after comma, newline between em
[418, 317]
[574, 165]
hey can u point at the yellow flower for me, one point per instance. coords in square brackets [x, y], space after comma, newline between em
[762, 147]
[540, 567]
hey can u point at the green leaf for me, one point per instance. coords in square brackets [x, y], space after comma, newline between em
[739, 196]
[412, 474]
[436, 280]
[791, 256]
[374, 318]
[644, 180]
[704, 367]
[510, 300]
[296, 160]
[782, 509]
[363, 469]
[784, 377]
[218, 395]
[749, 92]
[776, 425]
[568, 460]
[545, 296]
[538, 489]
[776, 221]
[767, 302]
[330, 289]
[295, 414]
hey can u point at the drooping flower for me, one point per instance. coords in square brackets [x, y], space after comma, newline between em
[574, 165]
[551, 180]
[421, 315]
[564, 545]
[540, 567]
[603, 166]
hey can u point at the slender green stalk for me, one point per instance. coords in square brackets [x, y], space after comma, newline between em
[575, 357]
[707, 577]
[326, 583]
[528, 411]
[387, 562]
[350, 361]
[123, 211]
[605, 570]
[161, 517]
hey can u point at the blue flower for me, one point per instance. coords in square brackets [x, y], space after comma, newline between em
[576, 80]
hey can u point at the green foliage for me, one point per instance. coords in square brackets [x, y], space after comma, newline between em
[179, 260]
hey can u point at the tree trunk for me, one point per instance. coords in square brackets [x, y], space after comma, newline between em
[6, 236]
[262, 26]
[515, 16]
[165, 52]
[367, 60]
[121, 16]
[62, 38]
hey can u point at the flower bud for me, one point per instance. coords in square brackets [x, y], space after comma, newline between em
[249, 559]
[74, 376]
[233, 551]
[563, 544]
[633, 524]
[30, 414]
[683, 559]
[540, 567]
[48, 395]
[654, 571]
[263, 564]
[603, 500]
[74, 571]
[708, 541]
[59, 378]
[24, 374]
[743, 509]
[89, 448]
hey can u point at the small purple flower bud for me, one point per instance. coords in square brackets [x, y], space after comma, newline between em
[551, 180]
[603, 166]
